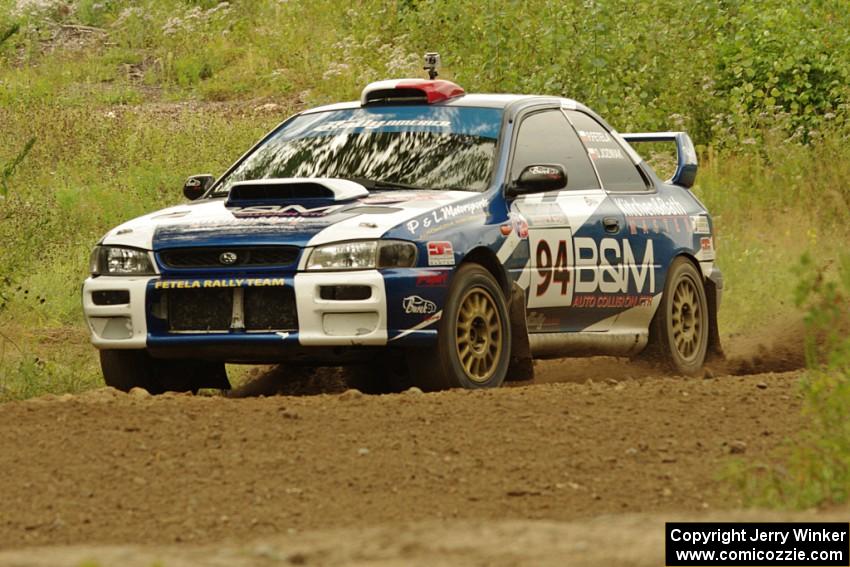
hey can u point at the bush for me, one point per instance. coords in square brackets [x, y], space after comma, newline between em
[816, 469]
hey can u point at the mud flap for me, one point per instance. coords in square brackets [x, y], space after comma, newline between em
[191, 375]
[521, 365]
[213, 375]
[712, 295]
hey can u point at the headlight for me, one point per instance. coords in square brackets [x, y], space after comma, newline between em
[363, 255]
[118, 261]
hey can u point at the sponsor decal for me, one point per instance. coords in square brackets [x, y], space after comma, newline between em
[439, 216]
[211, 283]
[594, 136]
[651, 207]
[655, 214]
[432, 279]
[539, 321]
[596, 272]
[370, 124]
[283, 211]
[520, 225]
[566, 266]
[544, 214]
[544, 170]
[418, 305]
[706, 248]
[618, 301]
[440, 253]
[605, 153]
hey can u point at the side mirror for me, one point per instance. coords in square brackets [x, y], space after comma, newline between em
[539, 178]
[197, 185]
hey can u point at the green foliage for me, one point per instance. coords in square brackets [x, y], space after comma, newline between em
[725, 71]
[6, 34]
[7, 170]
[816, 469]
[776, 66]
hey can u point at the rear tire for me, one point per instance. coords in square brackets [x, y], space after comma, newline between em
[127, 369]
[473, 338]
[680, 329]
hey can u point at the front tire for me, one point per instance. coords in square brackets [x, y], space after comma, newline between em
[680, 328]
[128, 369]
[473, 338]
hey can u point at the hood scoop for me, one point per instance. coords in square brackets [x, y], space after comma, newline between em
[301, 191]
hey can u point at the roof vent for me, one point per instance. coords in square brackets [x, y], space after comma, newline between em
[410, 91]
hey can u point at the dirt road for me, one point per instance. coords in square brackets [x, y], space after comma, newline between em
[111, 468]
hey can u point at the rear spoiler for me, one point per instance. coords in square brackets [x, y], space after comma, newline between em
[687, 164]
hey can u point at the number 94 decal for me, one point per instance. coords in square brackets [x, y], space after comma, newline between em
[551, 281]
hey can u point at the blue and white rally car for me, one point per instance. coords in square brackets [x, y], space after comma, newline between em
[439, 238]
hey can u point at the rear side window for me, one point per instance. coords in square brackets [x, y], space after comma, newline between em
[616, 169]
[547, 138]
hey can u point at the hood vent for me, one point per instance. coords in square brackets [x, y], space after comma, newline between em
[294, 191]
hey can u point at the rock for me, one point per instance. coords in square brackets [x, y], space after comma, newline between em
[137, 392]
[362, 451]
[290, 414]
[631, 451]
[350, 394]
[737, 447]
[268, 107]
[762, 385]
[413, 391]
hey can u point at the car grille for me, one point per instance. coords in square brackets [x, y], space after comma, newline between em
[211, 310]
[182, 258]
[200, 309]
[270, 309]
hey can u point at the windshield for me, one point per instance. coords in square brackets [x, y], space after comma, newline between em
[428, 147]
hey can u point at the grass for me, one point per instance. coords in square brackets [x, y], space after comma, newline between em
[813, 468]
[125, 99]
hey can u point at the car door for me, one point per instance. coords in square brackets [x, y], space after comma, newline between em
[564, 226]
[636, 255]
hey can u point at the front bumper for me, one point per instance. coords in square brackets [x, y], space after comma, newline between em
[321, 323]
[122, 326]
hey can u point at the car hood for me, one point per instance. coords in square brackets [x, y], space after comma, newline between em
[212, 222]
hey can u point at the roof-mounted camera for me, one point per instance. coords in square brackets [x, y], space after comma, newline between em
[432, 64]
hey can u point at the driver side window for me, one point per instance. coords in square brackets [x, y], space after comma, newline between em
[546, 137]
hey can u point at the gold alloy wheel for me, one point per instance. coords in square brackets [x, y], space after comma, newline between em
[686, 320]
[479, 335]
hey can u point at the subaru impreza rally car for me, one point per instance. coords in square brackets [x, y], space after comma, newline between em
[441, 236]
